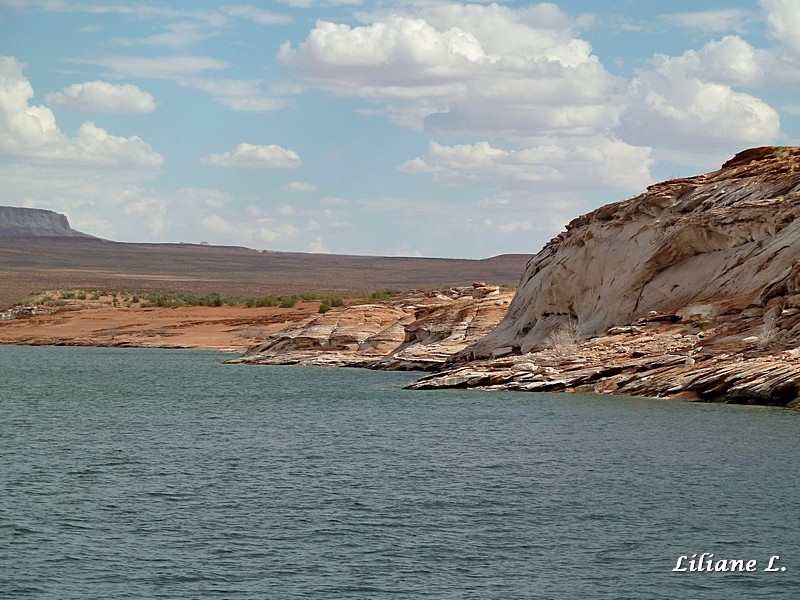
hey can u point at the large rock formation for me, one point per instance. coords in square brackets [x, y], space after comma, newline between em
[19, 222]
[697, 280]
[416, 330]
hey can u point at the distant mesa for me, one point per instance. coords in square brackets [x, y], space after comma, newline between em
[35, 222]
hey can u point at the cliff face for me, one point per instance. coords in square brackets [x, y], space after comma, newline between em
[712, 244]
[35, 222]
[689, 290]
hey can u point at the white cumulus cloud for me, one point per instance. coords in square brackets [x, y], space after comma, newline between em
[383, 58]
[466, 68]
[31, 132]
[100, 96]
[730, 61]
[603, 163]
[193, 72]
[255, 157]
[783, 20]
[689, 100]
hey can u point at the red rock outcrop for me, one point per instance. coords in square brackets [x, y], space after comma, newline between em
[709, 266]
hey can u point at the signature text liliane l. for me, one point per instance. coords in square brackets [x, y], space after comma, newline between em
[706, 563]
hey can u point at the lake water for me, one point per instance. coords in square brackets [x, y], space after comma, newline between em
[165, 474]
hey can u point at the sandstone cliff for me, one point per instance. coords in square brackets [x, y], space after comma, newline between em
[35, 222]
[416, 330]
[691, 288]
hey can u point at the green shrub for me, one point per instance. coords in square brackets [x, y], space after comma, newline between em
[260, 301]
[288, 301]
[382, 294]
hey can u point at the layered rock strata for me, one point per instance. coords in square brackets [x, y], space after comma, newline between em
[690, 290]
[417, 330]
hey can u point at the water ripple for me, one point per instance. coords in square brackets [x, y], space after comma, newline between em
[150, 474]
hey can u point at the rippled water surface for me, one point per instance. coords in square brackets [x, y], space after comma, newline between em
[164, 474]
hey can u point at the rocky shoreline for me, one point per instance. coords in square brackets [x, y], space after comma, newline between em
[410, 331]
[689, 291]
[654, 358]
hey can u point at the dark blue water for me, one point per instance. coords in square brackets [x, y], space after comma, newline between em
[164, 474]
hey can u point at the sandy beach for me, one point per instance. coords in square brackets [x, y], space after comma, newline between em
[227, 328]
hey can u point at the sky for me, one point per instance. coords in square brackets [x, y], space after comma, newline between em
[419, 128]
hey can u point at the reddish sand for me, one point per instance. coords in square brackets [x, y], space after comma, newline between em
[219, 328]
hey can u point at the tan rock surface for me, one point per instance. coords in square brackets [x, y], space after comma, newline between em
[411, 331]
[667, 362]
[711, 261]
[720, 242]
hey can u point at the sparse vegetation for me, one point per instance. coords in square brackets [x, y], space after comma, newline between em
[288, 301]
[382, 294]
[329, 303]
[174, 299]
[261, 301]
[215, 299]
[782, 152]
[563, 340]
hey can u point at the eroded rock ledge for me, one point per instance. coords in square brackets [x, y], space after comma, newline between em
[690, 290]
[413, 331]
[704, 360]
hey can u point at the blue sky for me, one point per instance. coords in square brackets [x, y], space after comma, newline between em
[384, 128]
